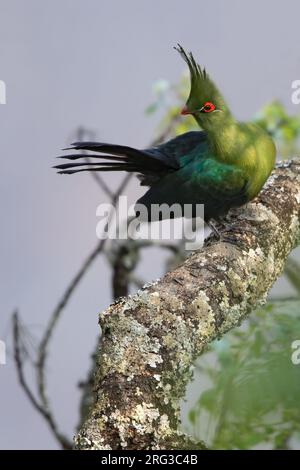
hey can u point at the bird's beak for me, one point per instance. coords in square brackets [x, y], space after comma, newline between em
[185, 111]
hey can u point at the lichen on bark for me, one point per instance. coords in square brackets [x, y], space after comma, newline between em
[150, 340]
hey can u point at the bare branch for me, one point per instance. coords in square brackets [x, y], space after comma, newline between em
[65, 443]
[42, 350]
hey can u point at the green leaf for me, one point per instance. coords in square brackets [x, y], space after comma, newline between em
[151, 108]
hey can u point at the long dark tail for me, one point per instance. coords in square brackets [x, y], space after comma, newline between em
[120, 158]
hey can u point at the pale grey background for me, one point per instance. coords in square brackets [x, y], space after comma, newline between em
[93, 62]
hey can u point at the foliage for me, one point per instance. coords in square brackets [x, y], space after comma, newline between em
[285, 129]
[253, 398]
[254, 394]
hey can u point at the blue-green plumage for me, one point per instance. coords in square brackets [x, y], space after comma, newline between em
[225, 165]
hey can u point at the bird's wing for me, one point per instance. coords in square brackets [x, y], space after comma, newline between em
[217, 179]
[207, 181]
[172, 152]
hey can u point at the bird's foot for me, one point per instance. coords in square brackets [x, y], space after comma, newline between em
[223, 237]
[214, 229]
[228, 225]
[238, 243]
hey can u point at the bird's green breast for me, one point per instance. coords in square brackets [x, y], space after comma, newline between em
[257, 157]
[249, 148]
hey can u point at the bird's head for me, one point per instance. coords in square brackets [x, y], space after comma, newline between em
[205, 102]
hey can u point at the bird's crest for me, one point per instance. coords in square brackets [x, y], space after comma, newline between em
[195, 69]
[203, 88]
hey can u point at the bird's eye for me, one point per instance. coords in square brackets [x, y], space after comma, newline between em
[208, 107]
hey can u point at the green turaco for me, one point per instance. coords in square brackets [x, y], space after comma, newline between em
[224, 165]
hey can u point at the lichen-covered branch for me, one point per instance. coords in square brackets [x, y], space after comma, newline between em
[151, 340]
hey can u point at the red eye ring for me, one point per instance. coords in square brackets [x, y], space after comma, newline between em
[208, 107]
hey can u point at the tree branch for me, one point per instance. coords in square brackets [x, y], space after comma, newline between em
[151, 340]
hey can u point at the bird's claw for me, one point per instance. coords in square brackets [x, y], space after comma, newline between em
[233, 241]
[227, 238]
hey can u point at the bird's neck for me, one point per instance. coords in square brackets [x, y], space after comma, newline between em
[223, 138]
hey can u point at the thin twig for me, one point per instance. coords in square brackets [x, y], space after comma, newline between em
[167, 131]
[65, 443]
[42, 349]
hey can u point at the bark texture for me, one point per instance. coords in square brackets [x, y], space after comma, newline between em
[150, 340]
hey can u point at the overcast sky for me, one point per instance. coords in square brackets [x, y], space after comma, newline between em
[92, 62]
